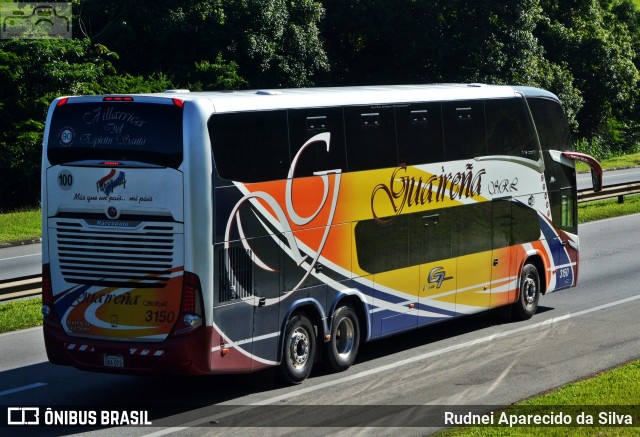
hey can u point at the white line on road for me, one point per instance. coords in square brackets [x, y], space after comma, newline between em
[392, 366]
[21, 256]
[23, 388]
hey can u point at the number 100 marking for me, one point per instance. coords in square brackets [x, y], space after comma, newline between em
[65, 179]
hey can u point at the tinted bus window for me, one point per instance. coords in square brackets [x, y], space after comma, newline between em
[250, 146]
[430, 239]
[561, 185]
[510, 130]
[383, 246]
[551, 123]
[526, 225]
[419, 129]
[370, 137]
[306, 123]
[502, 224]
[406, 240]
[474, 227]
[125, 131]
[464, 129]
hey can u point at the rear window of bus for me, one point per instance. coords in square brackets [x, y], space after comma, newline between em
[141, 132]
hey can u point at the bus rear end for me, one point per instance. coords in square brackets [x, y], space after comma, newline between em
[116, 296]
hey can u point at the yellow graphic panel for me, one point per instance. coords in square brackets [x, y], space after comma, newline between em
[474, 282]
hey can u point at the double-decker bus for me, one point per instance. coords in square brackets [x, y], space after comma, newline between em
[229, 232]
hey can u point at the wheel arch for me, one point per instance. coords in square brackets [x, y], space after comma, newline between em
[537, 261]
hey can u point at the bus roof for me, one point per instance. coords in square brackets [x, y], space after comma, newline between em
[290, 98]
[236, 101]
[529, 91]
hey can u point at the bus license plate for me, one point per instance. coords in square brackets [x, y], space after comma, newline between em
[113, 360]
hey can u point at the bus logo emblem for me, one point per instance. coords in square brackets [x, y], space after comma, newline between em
[114, 179]
[437, 276]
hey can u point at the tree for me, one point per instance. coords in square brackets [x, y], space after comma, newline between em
[596, 47]
[32, 74]
[416, 41]
[242, 42]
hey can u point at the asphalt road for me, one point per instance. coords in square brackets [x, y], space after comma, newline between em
[611, 177]
[481, 360]
[19, 261]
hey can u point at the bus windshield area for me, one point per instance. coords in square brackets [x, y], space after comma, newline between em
[124, 131]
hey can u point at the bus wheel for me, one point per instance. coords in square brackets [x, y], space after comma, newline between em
[345, 339]
[299, 350]
[527, 303]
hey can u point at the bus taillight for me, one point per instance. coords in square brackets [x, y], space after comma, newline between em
[118, 99]
[191, 314]
[48, 308]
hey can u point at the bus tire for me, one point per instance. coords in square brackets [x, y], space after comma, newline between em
[299, 350]
[345, 339]
[527, 304]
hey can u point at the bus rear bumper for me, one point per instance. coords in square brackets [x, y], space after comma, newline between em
[183, 355]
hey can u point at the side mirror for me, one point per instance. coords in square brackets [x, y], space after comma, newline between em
[596, 169]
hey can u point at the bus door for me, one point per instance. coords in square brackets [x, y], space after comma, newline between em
[384, 250]
[438, 266]
[472, 244]
[503, 265]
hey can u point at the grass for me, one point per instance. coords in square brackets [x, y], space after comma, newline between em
[20, 225]
[602, 209]
[615, 388]
[20, 314]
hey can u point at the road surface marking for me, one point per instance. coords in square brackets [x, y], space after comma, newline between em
[21, 256]
[23, 388]
[392, 366]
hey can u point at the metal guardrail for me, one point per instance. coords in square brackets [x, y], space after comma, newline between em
[27, 286]
[609, 192]
[32, 285]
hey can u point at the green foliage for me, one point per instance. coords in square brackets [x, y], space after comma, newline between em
[603, 209]
[20, 225]
[585, 51]
[128, 84]
[20, 314]
[32, 74]
[597, 47]
[215, 76]
[222, 44]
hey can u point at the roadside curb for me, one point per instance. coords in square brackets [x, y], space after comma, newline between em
[20, 242]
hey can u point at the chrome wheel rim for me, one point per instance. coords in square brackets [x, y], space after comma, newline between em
[299, 348]
[529, 289]
[344, 337]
